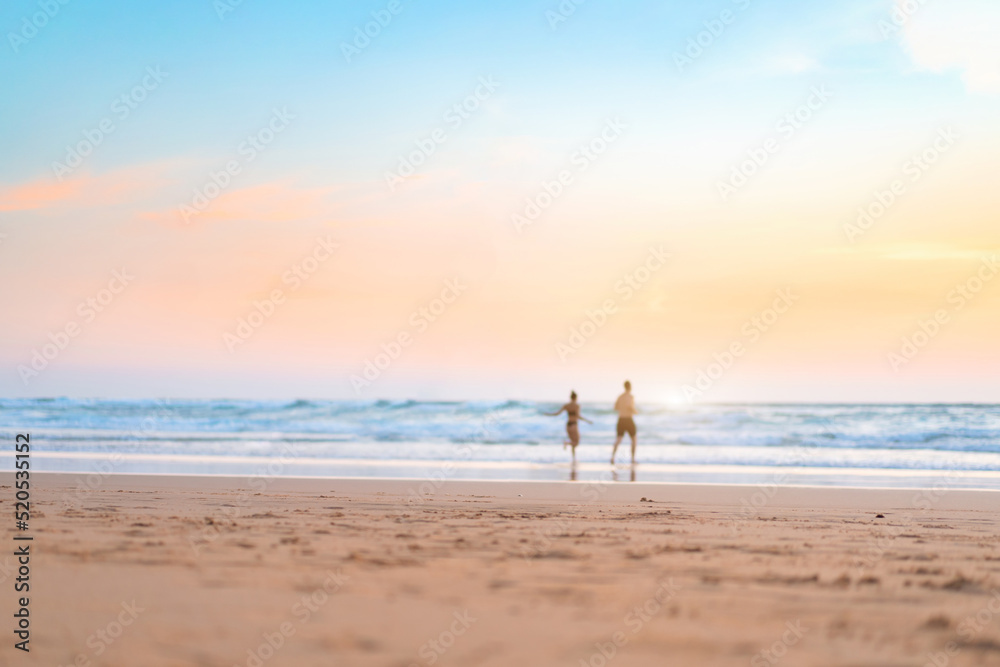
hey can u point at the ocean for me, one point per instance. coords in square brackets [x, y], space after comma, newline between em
[919, 446]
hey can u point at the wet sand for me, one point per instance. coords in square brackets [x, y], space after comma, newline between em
[146, 570]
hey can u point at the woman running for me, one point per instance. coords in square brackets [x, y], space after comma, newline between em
[572, 410]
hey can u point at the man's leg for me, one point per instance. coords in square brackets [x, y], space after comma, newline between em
[633, 447]
[614, 449]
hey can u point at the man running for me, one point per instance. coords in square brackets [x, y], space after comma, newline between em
[625, 406]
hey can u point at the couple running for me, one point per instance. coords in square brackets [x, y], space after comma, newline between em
[625, 406]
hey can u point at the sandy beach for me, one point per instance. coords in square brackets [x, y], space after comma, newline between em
[160, 570]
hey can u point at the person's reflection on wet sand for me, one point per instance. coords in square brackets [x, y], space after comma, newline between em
[631, 475]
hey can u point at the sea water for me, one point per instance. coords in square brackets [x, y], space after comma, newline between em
[854, 445]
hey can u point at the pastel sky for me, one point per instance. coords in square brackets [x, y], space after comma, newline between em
[212, 153]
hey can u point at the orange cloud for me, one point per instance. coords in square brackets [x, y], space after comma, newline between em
[84, 190]
[151, 188]
[38, 194]
[267, 202]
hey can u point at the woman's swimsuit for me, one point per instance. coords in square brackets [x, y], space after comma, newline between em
[572, 414]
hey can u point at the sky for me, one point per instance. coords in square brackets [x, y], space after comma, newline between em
[733, 200]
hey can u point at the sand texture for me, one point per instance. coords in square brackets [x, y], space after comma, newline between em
[180, 576]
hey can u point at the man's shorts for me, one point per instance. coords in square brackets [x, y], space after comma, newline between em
[626, 425]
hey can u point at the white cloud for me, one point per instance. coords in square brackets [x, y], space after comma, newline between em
[964, 35]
